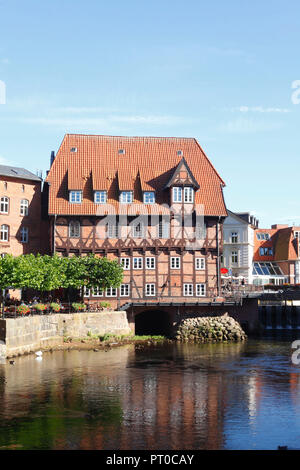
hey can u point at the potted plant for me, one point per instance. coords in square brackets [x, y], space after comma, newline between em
[23, 309]
[55, 307]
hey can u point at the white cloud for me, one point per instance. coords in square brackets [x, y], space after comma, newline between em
[260, 109]
[248, 126]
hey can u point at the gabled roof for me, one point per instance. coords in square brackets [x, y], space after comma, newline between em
[147, 164]
[16, 172]
[186, 178]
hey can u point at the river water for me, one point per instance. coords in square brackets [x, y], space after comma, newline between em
[172, 396]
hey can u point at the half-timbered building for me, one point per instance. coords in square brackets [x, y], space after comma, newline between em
[156, 204]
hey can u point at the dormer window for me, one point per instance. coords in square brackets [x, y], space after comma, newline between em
[100, 197]
[149, 197]
[73, 149]
[75, 197]
[188, 194]
[177, 194]
[126, 197]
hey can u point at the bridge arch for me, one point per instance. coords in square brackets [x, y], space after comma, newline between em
[154, 321]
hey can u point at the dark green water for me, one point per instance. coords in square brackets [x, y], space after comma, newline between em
[226, 396]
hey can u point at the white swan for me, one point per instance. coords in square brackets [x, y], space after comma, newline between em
[38, 353]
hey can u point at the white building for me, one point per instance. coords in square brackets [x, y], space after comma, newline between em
[238, 245]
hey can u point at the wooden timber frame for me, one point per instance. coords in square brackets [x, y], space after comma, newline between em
[129, 247]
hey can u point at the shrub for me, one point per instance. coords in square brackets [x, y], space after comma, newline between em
[40, 307]
[23, 309]
[78, 307]
[104, 304]
[55, 307]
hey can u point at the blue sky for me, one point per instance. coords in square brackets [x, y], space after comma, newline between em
[218, 71]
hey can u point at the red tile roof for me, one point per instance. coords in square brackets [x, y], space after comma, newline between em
[147, 164]
[285, 246]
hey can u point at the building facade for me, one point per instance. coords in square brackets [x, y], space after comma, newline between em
[20, 211]
[154, 204]
[277, 255]
[238, 246]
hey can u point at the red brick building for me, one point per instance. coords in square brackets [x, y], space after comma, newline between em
[278, 248]
[20, 211]
[126, 198]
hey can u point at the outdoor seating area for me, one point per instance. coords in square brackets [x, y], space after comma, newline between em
[14, 308]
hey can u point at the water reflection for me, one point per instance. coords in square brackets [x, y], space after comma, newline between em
[236, 396]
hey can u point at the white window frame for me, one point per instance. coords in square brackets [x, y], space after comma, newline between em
[188, 290]
[112, 230]
[234, 254]
[234, 237]
[74, 226]
[111, 292]
[199, 264]
[200, 290]
[97, 291]
[177, 194]
[4, 233]
[149, 197]
[188, 195]
[175, 262]
[75, 197]
[24, 206]
[150, 290]
[126, 197]
[138, 233]
[163, 229]
[4, 205]
[150, 262]
[124, 290]
[100, 197]
[137, 262]
[125, 263]
[86, 291]
[24, 235]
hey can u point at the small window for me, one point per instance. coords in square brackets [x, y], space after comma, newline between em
[112, 230]
[199, 263]
[4, 205]
[86, 291]
[163, 229]
[234, 237]
[121, 152]
[179, 153]
[100, 197]
[138, 230]
[24, 207]
[234, 257]
[97, 291]
[111, 292]
[126, 197]
[200, 290]
[177, 194]
[188, 194]
[188, 289]
[24, 235]
[138, 263]
[23, 188]
[175, 262]
[73, 149]
[75, 197]
[150, 262]
[124, 290]
[74, 229]
[149, 197]
[150, 290]
[5, 185]
[4, 233]
[125, 263]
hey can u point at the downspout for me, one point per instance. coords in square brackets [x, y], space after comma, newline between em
[218, 260]
[54, 231]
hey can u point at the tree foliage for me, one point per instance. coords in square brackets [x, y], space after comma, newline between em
[46, 273]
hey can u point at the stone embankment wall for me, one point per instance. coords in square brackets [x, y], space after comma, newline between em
[27, 334]
[210, 330]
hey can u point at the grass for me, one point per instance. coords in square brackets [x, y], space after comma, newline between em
[109, 336]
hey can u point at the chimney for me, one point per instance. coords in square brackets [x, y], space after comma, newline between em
[52, 158]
